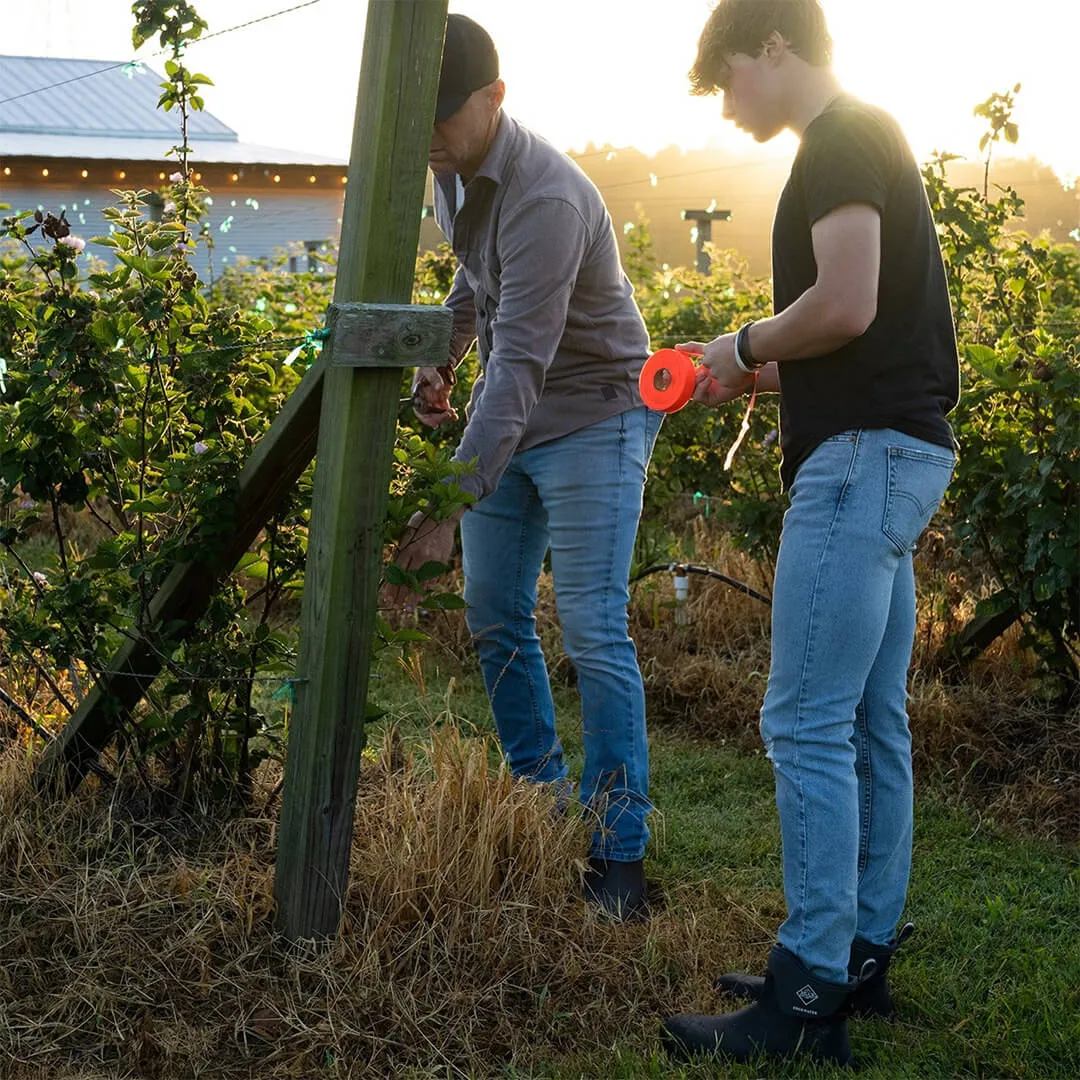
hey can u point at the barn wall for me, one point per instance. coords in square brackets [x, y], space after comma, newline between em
[244, 222]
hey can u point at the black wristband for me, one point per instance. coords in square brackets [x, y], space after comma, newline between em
[742, 347]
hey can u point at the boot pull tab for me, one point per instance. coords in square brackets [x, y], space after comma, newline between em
[902, 935]
[867, 971]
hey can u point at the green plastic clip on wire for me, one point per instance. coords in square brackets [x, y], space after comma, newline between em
[288, 690]
[312, 343]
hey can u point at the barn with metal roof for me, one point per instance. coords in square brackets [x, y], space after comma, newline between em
[73, 131]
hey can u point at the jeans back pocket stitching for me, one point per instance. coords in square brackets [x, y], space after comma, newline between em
[895, 452]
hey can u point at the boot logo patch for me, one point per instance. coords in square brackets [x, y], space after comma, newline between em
[807, 995]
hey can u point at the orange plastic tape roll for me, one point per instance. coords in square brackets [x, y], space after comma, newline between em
[667, 380]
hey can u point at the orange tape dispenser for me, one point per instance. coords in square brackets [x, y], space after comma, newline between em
[667, 380]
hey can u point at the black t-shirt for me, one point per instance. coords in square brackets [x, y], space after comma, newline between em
[903, 373]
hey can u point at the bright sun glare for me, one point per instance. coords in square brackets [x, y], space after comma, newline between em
[614, 71]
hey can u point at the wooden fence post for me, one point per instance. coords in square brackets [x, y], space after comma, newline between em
[380, 231]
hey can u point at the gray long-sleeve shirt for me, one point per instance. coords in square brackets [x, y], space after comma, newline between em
[541, 289]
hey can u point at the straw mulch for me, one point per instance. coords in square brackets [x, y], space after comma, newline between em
[142, 948]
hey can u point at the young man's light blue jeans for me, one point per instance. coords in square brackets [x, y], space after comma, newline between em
[580, 496]
[834, 720]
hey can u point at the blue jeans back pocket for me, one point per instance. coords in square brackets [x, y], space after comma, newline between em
[917, 480]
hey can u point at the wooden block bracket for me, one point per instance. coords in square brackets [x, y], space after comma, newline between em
[389, 335]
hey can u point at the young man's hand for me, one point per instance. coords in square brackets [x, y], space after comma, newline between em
[719, 378]
[431, 396]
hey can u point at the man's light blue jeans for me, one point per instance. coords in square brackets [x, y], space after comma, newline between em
[580, 496]
[834, 720]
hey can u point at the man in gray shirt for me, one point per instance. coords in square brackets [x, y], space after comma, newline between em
[560, 441]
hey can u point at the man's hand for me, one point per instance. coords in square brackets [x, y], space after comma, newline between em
[719, 378]
[425, 540]
[431, 395]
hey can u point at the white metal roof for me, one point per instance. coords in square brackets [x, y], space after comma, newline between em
[97, 109]
[54, 96]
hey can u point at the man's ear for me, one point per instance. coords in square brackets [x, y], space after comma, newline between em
[498, 93]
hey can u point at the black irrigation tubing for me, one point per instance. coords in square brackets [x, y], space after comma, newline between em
[703, 571]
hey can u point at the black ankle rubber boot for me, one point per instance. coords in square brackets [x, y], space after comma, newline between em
[871, 998]
[619, 889]
[797, 1014]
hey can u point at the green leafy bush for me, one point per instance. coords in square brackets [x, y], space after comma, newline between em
[132, 399]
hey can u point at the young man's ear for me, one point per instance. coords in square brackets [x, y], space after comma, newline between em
[498, 94]
[774, 47]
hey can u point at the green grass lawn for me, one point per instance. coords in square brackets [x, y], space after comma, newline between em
[989, 986]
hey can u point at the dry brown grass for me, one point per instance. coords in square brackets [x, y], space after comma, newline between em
[133, 948]
[989, 739]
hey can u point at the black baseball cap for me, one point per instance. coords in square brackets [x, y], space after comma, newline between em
[469, 62]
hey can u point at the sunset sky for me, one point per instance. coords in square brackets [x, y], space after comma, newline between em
[613, 71]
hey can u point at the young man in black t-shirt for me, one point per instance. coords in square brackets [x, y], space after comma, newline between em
[863, 353]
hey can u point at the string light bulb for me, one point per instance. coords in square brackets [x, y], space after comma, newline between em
[121, 175]
[44, 172]
[7, 170]
[277, 179]
[84, 174]
[234, 177]
[311, 179]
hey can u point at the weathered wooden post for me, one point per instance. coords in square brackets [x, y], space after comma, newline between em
[369, 343]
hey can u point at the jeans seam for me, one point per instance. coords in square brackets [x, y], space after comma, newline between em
[866, 762]
[517, 636]
[800, 706]
[608, 628]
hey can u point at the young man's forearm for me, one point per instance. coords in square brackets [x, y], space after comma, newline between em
[815, 325]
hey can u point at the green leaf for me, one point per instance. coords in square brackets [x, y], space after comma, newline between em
[154, 269]
[980, 356]
[395, 575]
[444, 602]
[405, 635]
[161, 242]
[150, 504]
[429, 571]
[1044, 588]
[997, 604]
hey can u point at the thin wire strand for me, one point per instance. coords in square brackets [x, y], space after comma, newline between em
[160, 52]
